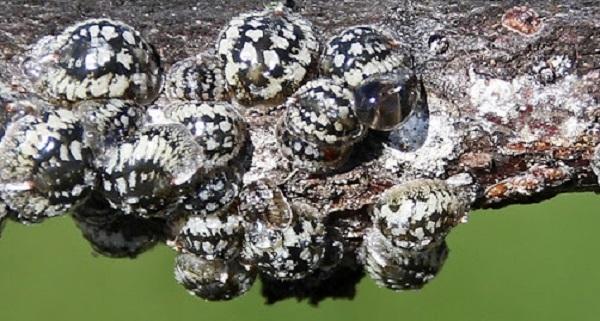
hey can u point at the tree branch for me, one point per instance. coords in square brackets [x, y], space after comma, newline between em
[512, 93]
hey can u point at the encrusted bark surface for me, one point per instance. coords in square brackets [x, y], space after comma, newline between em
[512, 93]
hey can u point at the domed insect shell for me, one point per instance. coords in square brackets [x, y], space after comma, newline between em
[418, 214]
[216, 126]
[219, 129]
[286, 241]
[213, 280]
[95, 58]
[197, 78]
[360, 52]
[397, 269]
[385, 101]
[108, 122]
[319, 126]
[149, 173]
[44, 165]
[267, 54]
[3, 215]
[595, 163]
[15, 107]
[214, 236]
[113, 234]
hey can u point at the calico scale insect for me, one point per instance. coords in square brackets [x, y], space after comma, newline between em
[44, 166]
[285, 241]
[147, 174]
[415, 215]
[267, 54]
[221, 132]
[197, 78]
[358, 53]
[213, 236]
[319, 126]
[213, 280]
[93, 59]
[397, 269]
[107, 123]
[112, 233]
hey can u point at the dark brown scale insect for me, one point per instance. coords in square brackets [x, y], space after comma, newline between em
[358, 53]
[44, 165]
[397, 269]
[213, 280]
[149, 173]
[113, 234]
[267, 54]
[286, 241]
[197, 78]
[96, 58]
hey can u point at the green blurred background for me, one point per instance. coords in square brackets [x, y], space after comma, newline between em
[526, 262]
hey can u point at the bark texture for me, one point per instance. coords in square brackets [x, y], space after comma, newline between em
[512, 91]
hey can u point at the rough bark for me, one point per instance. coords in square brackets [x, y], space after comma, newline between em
[512, 96]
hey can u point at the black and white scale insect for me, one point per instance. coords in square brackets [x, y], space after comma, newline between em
[95, 59]
[44, 166]
[148, 173]
[109, 122]
[319, 126]
[285, 241]
[213, 236]
[3, 215]
[113, 234]
[221, 132]
[267, 54]
[417, 214]
[214, 280]
[358, 53]
[397, 269]
[217, 127]
[197, 78]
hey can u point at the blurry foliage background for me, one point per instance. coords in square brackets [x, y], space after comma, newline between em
[527, 262]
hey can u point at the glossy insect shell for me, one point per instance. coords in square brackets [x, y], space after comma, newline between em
[322, 112]
[311, 157]
[214, 236]
[217, 128]
[384, 102]
[113, 234]
[286, 241]
[213, 280]
[197, 78]
[358, 53]
[397, 269]
[96, 58]
[148, 174]
[214, 192]
[3, 215]
[417, 214]
[44, 165]
[107, 123]
[267, 54]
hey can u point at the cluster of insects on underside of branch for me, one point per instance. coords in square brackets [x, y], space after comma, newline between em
[133, 169]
